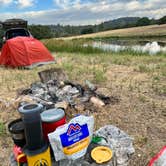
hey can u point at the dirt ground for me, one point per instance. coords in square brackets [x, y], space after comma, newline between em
[140, 112]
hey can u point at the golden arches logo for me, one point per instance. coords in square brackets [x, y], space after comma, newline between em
[41, 162]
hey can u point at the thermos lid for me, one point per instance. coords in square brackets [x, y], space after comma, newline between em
[52, 115]
[30, 112]
[29, 108]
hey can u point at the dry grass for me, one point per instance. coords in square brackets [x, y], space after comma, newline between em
[138, 81]
[152, 30]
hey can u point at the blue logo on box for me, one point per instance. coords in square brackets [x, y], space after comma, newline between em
[75, 133]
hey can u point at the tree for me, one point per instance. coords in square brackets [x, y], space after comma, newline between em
[40, 31]
[162, 20]
[86, 31]
[143, 21]
[153, 21]
[101, 27]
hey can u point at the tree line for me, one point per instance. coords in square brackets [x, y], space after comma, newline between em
[50, 31]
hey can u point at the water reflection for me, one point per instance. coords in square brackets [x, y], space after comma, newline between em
[152, 47]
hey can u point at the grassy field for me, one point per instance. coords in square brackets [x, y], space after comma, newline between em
[137, 80]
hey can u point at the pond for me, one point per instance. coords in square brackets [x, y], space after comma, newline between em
[151, 48]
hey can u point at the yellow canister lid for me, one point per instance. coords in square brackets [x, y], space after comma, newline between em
[101, 154]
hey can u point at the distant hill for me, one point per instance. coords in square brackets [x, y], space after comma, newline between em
[68, 30]
[124, 22]
[120, 23]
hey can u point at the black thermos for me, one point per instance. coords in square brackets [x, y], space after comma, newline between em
[33, 126]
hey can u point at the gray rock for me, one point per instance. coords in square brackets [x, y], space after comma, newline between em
[38, 85]
[62, 104]
[91, 86]
[52, 74]
[97, 102]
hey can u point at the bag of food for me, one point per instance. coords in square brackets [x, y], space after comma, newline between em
[71, 140]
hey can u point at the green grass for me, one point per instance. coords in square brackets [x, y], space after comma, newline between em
[70, 46]
[95, 66]
[144, 68]
[99, 76]
[158, 88]
[129, 38]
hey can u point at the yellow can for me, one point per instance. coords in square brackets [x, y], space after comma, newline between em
[42, 159]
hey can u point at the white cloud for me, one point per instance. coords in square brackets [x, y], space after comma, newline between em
[5, 2]
[75, 13]
[19, 3]
[25, 3]
[133, 5]
[64, 4]
[99, 7]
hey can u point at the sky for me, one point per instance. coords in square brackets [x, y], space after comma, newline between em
[79, 12]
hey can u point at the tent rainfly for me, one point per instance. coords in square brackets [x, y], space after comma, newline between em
[24, 52]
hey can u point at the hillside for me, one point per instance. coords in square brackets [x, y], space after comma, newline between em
[144, 31]
[68, 30]
[119, 23]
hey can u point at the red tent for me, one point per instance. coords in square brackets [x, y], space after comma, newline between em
[24, 51]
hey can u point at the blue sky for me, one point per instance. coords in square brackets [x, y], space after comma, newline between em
[79, 12]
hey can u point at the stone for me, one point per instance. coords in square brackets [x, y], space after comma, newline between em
[97, 102]
[62, 104]
[26, 99]
[52, 74]
[68, 89]
[37, 85]
[91, 86]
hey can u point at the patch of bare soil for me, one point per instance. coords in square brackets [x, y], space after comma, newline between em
[139, 113]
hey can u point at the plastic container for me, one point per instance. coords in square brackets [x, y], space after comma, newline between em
[51, 119]
[101, 154]
[16, 128]
[33, 126]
